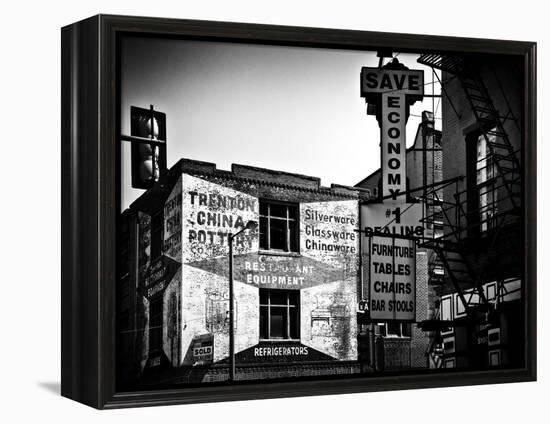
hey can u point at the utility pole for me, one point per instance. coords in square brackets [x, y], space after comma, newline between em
[250, 225]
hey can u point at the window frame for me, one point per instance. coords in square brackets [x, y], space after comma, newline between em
[381, 329]
[487, 189]
[292, 231]
[289, 306]
[482, 195]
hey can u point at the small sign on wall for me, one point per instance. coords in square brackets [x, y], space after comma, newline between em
[203, 349]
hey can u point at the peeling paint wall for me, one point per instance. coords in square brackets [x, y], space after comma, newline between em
[210, 212]
[199, 214]
[325, 270]
[328, 233]
[329, 319]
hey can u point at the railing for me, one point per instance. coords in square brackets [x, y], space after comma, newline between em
[492, 208]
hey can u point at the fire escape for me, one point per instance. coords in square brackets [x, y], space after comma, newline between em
[456, 221]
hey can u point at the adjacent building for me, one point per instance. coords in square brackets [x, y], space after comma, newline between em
[480, 308]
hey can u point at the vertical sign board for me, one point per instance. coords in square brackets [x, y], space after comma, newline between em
[394, 168]
[390, 231]
[391, 227]
[392, 90]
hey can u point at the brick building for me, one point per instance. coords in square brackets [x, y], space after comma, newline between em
[481, 247]
[297, 277]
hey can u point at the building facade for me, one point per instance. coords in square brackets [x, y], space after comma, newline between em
[480, 305]
[297, 277]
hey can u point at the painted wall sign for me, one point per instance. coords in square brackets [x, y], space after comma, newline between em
[173, 224]
[223, 214]
[392, 288]
[156, 272]
[280, 351]
[159, 274]
[325, 272]
[154, 289]
[210, 212]
[277, 272]
[329, 228]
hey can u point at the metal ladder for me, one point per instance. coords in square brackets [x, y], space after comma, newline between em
[449, 252]
[489, 120]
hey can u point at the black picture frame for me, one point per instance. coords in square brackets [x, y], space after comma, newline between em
[90, 178]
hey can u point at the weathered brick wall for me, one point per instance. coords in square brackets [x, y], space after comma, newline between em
[329, 323]
[215, 203]
[205, 306]
[210, 212]
[328, 234]
[278, 176]
[220, 372]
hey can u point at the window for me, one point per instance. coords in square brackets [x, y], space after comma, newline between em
[278, 226]
[446, 312]
[279, 314]
[491, 292]
[449, 345]
[486, 173]
[446, 308]
[449, 363]
[393, 329]
[494, 358]
[155, 325]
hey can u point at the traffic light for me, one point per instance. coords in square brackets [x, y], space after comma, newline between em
[148, 158]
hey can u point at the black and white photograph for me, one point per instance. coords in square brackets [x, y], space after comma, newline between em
[299, 213]
[243, 212]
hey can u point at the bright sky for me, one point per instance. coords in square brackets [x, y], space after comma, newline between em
[292, 109]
